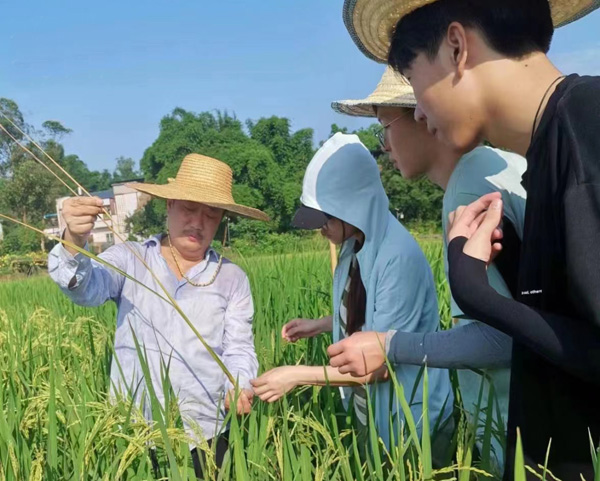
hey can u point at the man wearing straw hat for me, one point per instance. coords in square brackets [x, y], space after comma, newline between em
[180, 264]
[480, 71]
[470, 345]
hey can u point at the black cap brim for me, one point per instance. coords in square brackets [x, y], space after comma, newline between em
[309, 218]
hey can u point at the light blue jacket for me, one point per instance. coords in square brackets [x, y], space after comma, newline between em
[343, 180]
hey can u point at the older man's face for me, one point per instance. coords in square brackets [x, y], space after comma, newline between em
[192, 225]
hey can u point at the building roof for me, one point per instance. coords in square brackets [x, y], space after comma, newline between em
[104, 194]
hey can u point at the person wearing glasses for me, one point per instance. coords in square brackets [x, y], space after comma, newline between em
[382, 282]
[481, 354]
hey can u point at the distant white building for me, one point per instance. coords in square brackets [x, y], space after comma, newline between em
[120, 202]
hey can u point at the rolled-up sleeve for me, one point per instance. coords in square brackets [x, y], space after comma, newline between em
[84, 281]
[239, 354]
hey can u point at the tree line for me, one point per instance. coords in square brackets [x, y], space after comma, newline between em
[267, 159]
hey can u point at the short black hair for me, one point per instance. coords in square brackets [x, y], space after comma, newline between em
[514, 28]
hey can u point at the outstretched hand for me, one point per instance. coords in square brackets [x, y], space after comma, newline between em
[360, 354]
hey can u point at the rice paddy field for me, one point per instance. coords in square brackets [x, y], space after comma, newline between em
[57, 422]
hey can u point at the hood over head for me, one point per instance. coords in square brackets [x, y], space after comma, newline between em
[343, 181]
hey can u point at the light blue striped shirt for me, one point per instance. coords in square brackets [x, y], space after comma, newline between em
[221, 312]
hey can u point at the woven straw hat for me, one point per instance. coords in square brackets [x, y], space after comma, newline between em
[371, 22]
[393, 90]
[204, 180]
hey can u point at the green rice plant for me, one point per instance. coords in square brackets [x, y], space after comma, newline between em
[595, 457]
[59, 422]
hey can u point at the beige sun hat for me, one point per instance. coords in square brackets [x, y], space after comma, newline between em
[371, 22]
[204, 180]
[393, 90]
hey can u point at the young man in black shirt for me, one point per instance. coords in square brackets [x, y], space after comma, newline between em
[480, 71]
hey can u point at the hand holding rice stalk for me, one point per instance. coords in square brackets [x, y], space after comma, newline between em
[80, 215]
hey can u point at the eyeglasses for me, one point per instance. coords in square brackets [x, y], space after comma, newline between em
[383, 129]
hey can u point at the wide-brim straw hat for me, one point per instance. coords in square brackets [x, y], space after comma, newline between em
[393, 90]
[372, 22]
[204, 180]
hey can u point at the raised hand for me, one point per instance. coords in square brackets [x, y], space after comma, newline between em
[80, 214]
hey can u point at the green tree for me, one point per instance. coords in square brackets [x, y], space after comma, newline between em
[19, 240]
[10, 114]
[292, 153]
[125, 170]
[99, 180]
[413, 201]
[31, 192]
[149, 220]
[28, 190]
[55, 130]
[267, 162]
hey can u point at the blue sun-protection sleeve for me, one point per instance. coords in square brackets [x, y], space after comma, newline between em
[472, 346]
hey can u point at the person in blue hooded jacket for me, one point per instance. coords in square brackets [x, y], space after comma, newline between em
[382, 282]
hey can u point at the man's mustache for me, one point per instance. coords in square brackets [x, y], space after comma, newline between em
[194, 232]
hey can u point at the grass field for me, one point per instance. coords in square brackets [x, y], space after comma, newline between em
[57, 422]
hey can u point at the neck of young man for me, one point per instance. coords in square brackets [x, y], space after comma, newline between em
[520, 91]
[445, 162]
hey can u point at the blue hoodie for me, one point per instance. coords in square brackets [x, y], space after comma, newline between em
[343, 181]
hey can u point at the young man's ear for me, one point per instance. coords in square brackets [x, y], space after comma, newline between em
[456, 49]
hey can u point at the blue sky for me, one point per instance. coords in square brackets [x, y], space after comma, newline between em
[110, 70]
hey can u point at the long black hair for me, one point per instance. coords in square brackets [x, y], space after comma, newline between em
[357, 298]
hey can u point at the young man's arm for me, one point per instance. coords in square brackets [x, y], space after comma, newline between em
[473, 346]
[572, 344]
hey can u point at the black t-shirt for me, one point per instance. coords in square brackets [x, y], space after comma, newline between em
[555, 384]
